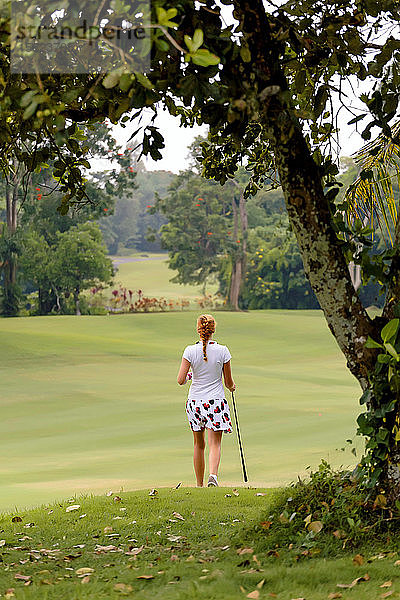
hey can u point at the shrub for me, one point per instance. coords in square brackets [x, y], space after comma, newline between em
[330, 512]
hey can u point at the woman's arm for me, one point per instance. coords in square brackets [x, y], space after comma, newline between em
[183, 371]
[229, 383]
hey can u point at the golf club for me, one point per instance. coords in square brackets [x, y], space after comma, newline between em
[245, 478]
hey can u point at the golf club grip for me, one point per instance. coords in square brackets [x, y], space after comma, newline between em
[239, 440]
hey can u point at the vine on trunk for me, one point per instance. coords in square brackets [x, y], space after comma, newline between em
[380, 423]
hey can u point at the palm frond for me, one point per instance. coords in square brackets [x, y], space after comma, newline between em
[374, 195]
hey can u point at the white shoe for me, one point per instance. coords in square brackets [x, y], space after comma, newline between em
[212, 481]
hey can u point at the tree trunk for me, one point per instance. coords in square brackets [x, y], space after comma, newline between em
[239, 263]
[76, 299]
[11, 302]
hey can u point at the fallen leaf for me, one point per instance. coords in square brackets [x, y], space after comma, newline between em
[334, 595]
[9, 593]
[387, 594]
[245, 551]
[117, 499]
[123, 588]
[110, 493]
[260, 494]
[387, 584]
[174, 557]
[365, 577]
[99, 549]
[190, 558]
[178, 516]
[72, 507]
[283, 518]
[315, 526]
[107, 529]
[255, 594]
[266, 524]
[145, 577]
[249, 571]
[380, 501]
[339, 534]
[397, 563]
[235, 492]
[22, 577]
[174, 538]
[2, 543]
[358, 560]
[260, 584]
[84, 571]
[242, 589]
[153, 492]
[134, 551]
[85, 579]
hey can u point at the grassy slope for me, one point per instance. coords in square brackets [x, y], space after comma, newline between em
[153, 277]
[183, 559]
[91, 403]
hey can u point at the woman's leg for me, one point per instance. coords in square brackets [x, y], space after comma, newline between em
[214, 445]
[198, 456]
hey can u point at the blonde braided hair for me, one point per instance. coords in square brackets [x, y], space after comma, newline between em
[205, 327]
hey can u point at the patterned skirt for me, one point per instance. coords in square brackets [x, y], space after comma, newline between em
[210, 414]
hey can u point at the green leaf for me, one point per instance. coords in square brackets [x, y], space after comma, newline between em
[384, 358]
[126, 81]
[245, 53]
[112, 78]
[321, 98]
[370, 343]
[144, 81]
[356, 119]
[29, 111]
[198, 38]
[171, 13]
[204, 58]
[189, 42]
[390, 330]
[27, 98]
[164, 16]
[392, 351]
[366, 397]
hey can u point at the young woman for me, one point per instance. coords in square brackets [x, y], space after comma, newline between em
[206, 406]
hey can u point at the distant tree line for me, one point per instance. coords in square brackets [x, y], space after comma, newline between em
[212, 233]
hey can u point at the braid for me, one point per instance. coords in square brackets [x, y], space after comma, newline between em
[206, 327]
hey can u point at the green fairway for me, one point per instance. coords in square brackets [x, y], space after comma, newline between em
[149, 273]
[92, 403]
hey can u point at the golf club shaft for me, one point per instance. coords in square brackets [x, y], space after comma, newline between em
[239, 440]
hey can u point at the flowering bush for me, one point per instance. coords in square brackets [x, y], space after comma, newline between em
[208, 301]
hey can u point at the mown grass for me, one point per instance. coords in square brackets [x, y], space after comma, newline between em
[151, 274]
[92, 403]
[188, 543]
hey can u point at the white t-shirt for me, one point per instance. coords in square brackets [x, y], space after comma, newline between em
[207, 375]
